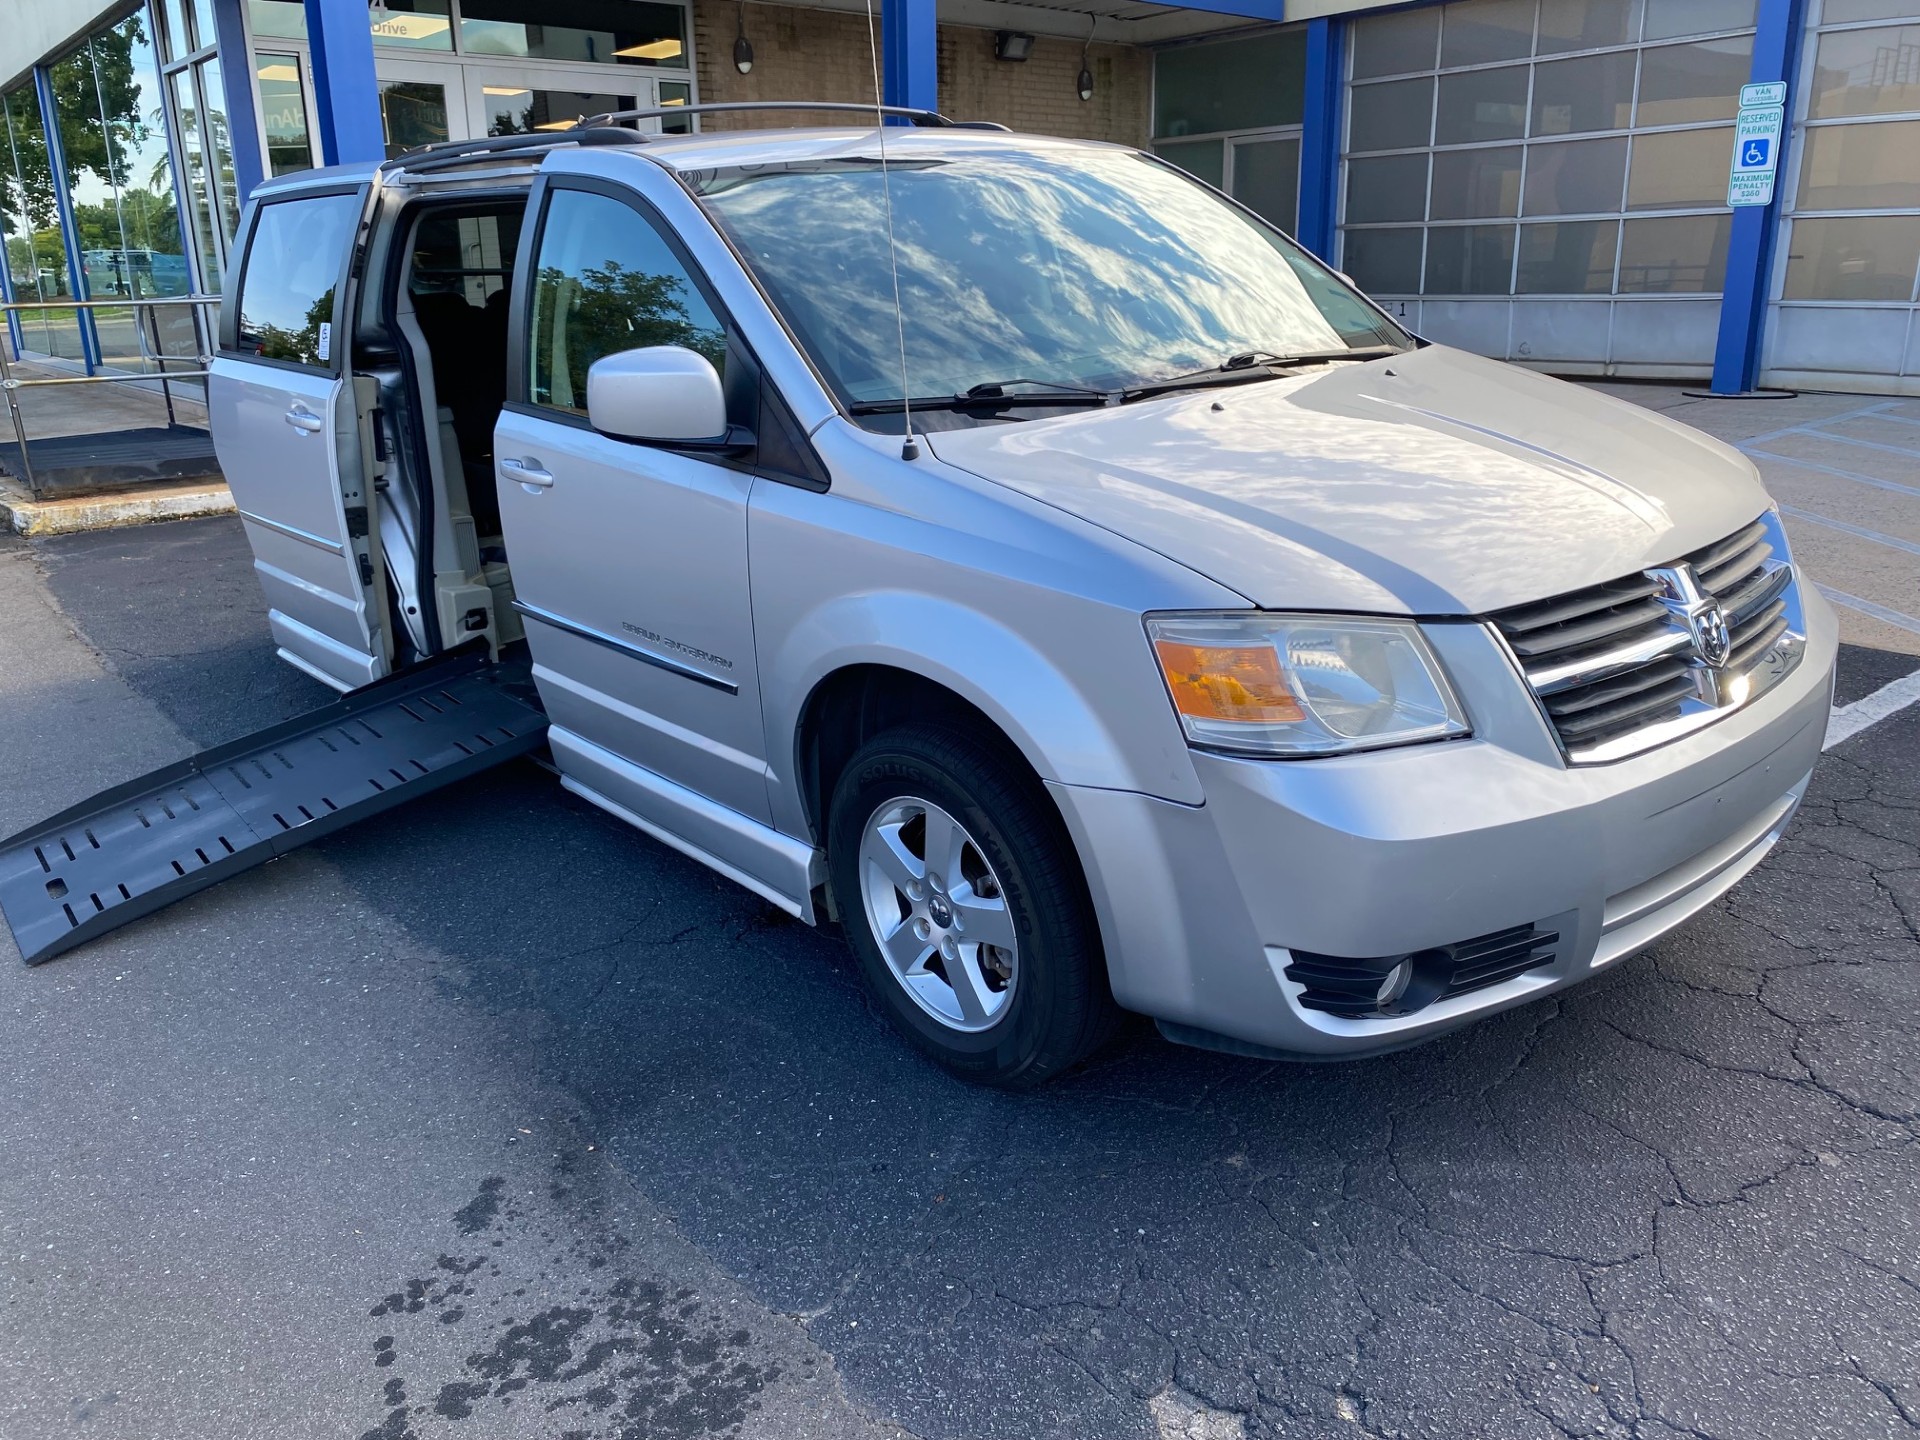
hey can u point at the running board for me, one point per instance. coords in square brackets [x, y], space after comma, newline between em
[130, 850]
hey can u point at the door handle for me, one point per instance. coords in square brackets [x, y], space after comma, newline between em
[304, 419]
[528, 473]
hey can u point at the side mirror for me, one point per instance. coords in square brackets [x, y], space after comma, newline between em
[661, 392]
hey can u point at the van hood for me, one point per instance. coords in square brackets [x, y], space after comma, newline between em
[1431, 483]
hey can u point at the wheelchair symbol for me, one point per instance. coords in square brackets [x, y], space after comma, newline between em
[1754, 154]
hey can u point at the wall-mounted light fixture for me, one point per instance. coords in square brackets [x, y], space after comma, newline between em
[742, 47]
[1012, 45]
[1085, 83]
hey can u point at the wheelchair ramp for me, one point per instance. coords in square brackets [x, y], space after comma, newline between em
[129, 851]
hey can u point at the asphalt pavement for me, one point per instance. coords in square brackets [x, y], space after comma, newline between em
[491, 1116]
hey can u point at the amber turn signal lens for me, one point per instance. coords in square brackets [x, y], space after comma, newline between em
[1242, 683]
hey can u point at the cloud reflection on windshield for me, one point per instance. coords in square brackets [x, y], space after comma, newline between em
[1087, 267]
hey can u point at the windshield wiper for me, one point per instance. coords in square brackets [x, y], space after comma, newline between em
[993, 395]
[1251, 365]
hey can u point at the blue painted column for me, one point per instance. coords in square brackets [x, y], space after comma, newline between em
[1743, 308]
[63, 210]
[909, 53]
[348, 95]
[1320, 135]
[243, 117]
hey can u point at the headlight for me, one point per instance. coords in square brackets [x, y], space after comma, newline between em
[1278, 685]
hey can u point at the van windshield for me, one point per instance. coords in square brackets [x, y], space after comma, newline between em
[1105, 269]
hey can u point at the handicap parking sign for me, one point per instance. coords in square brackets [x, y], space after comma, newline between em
[1756, 147]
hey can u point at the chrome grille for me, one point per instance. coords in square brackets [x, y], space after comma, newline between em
[1624, 666]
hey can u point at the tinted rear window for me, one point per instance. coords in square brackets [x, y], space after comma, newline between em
[298, 252]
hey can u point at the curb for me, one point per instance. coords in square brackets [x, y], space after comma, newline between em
[22, 515]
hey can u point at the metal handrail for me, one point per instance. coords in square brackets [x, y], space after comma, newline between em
[12, 384]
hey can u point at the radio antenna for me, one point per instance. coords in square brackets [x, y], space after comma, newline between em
[910, 447]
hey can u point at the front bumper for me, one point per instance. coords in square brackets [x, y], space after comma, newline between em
[1397, 851]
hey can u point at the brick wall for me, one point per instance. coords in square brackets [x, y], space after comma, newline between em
[822, 55]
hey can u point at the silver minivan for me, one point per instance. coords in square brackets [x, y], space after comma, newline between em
[1024, 556]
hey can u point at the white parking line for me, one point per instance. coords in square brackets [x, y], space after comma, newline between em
[1894, 485]
[1867, 444]
[1848, 721]
[1806, 426]
[1867, 607]
[1893, 542]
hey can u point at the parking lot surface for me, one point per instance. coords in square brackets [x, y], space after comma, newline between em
[491, 1116]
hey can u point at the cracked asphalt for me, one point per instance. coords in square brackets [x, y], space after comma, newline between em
[491, 1116]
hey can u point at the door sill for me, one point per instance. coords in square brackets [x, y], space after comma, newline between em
[776, 867]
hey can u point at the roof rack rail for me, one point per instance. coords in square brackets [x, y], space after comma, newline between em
[443, 154]
[929, 118]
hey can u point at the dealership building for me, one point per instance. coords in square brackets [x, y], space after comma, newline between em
[1552, 182]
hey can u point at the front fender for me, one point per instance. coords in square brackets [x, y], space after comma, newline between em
[1067, 734]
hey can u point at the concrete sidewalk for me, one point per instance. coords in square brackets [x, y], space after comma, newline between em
[52, 411]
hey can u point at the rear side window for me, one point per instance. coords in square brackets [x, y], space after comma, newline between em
[298, 253]
[606, 281]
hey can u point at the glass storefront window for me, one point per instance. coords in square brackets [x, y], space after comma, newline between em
[1387, 188]
[1588, 92]
[199, 185]
[515, 111]
[1866, 72]
[1672, 19]
[1266, 179]
[411, 24]
[1855, 257]
[1579, 177]
[109, 103]
[1588, 127]
[1203, 159]
[1385, 261]
[283, 112]
[623, 32]
[1687, 84]
[1679, 169]
[1493, 30]
[1470, 260]
[1842, 12]
[1252, 83]
[277, 19]
[1475, 184]
[1587, 25]
[205, 32]
[1397, 115]
[1857, 155]
[179, 38]
[220, 141]
[676, 92]
[1573, 258]
[36, 256]
[1675, 255]
[1861, 167]
[412, 113]
[1481, 105]
[1402, 44]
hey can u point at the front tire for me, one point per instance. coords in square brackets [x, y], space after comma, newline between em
[960, 893]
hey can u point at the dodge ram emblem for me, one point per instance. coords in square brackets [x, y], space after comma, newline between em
[1710, 634]
[1686, 602]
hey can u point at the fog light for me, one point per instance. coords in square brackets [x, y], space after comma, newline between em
[1395, 985]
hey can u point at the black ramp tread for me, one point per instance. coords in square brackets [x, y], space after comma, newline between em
[130, 850]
